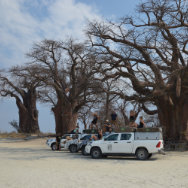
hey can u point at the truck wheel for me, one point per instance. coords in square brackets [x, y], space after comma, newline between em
[83, 151]
[73, 148]
[142, 154]
[96, 153]
[53, 146]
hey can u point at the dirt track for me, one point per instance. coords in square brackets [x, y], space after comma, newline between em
[32, 164]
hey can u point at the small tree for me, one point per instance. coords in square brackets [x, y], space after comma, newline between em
[15, 125]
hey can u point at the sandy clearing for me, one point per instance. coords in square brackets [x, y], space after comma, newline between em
[32, 164]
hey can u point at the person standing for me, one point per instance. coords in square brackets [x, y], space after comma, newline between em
[142, 123]
[94, 122]
[114, 118]
[58, 141]
[132, 119]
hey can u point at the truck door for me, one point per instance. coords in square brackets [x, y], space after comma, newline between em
[108, 144]
[125, 144]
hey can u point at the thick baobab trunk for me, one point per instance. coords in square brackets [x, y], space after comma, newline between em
[174, 119]
[28, 122]
[173, 109]
[65, 118]
[28, 114]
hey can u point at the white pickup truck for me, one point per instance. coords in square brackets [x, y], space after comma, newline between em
[140, 144]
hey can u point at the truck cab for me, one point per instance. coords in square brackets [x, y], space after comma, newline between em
[117, 143]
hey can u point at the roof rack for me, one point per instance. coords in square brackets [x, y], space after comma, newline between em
[126, 129]
[132, 129]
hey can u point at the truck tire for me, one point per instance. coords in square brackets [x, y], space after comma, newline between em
[73, 148]
[53, 146]
[96, 153]
[142, 154]
[83, 150]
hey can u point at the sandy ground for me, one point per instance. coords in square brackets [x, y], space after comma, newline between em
[25, 164]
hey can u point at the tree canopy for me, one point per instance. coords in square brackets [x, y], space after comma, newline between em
[151, 52]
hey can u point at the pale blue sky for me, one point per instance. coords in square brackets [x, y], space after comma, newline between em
[23, 22]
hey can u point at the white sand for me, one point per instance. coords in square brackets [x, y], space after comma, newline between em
[33, 164]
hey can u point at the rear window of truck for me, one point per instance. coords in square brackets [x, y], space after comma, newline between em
[125, 136]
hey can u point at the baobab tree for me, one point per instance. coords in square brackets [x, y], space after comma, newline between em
[66, 70]
[19, 83]
[151, 51]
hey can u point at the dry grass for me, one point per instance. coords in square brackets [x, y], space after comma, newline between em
[12, 135]
[23, 135]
